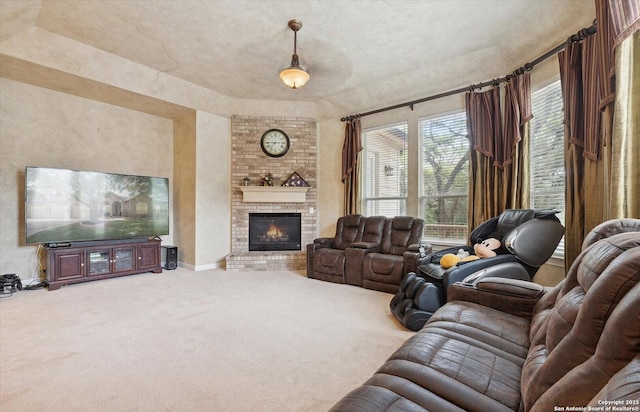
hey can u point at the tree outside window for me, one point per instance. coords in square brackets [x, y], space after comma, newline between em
[444, 174]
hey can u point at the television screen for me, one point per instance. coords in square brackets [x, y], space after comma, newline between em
[68, 205]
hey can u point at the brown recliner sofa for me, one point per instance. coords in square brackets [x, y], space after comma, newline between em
[374, 252]
[384, 269]
[503, 344]
[326, 257]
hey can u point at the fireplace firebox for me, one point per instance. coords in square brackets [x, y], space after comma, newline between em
[274, 231]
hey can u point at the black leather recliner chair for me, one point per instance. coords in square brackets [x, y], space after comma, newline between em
[529, 238]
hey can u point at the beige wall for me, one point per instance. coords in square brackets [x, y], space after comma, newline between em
[213, 190]
[184, 186]
[330, 187]
[40, 127]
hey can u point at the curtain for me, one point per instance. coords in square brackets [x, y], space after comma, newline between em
[586, 142]
[484, 125]
[351, 148]
[624, 16]
[620, 43]
[570, 60]
[625, 146]
[518, 113]
[499, 159]
[600, 93]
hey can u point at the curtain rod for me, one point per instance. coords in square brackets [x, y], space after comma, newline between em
[575, 38]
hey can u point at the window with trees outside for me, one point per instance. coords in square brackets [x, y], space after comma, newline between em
[444, 168]
[546, 147]
[384, 171]
[444, 176]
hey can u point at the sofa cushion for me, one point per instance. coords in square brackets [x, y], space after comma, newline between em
[381, 266]
[384, 393]
[348, 230]
[610, 228]
[623, 386]
[443, 367]
[373, 229]
[496, 329]
[328, 259]
[329, 265]
[382, 272]
[400, 232]
[600, 276]
[619, 341]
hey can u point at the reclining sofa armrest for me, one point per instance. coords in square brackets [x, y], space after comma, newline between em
[367, 246]
[318, 243]
[421, 248]
[325, 241]
[414, 256]
[354, 259]
[514, 296]
[512, 287]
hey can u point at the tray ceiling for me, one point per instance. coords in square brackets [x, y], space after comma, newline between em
[361, 54]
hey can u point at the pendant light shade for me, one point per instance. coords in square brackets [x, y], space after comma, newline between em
[294, 76]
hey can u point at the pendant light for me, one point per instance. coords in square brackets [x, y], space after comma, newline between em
[294, 76]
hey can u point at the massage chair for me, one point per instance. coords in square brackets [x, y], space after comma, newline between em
[528, 239]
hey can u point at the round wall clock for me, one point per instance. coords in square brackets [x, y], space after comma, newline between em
[275, 143]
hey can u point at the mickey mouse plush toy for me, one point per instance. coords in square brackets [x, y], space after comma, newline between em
[484, 249]
[487, 248]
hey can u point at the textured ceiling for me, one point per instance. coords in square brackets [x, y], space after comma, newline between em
[361, 55]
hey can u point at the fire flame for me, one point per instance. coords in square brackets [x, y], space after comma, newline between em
[274, 231]
[273, 234]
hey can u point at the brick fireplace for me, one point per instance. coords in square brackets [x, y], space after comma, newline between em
[248, 161]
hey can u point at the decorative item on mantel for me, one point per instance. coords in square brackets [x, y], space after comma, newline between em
[246, 181]
[293, 190]
[295, 180]
[267, 180]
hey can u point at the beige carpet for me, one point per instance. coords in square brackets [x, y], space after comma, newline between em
[192, 341]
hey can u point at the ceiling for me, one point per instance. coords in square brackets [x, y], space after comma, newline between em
[361, 54]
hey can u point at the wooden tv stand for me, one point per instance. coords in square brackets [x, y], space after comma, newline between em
[88, 261]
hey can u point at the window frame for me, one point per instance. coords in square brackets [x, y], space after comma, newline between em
[366, 173]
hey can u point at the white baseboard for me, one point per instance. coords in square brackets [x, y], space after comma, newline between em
[197, 268]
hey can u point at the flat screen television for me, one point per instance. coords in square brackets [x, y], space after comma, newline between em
[66, 206]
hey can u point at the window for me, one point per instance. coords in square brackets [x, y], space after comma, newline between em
[444, 176]
[546, 146]
[547, 149]
[384, 171]
[443, 168]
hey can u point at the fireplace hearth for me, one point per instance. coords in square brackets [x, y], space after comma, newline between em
[274, 231]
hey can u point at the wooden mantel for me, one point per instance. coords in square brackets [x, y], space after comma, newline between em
[274, 194]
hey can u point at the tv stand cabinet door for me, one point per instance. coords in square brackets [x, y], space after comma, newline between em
[65, 265]
[124, 259]
[149, 257]
[99, 262]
